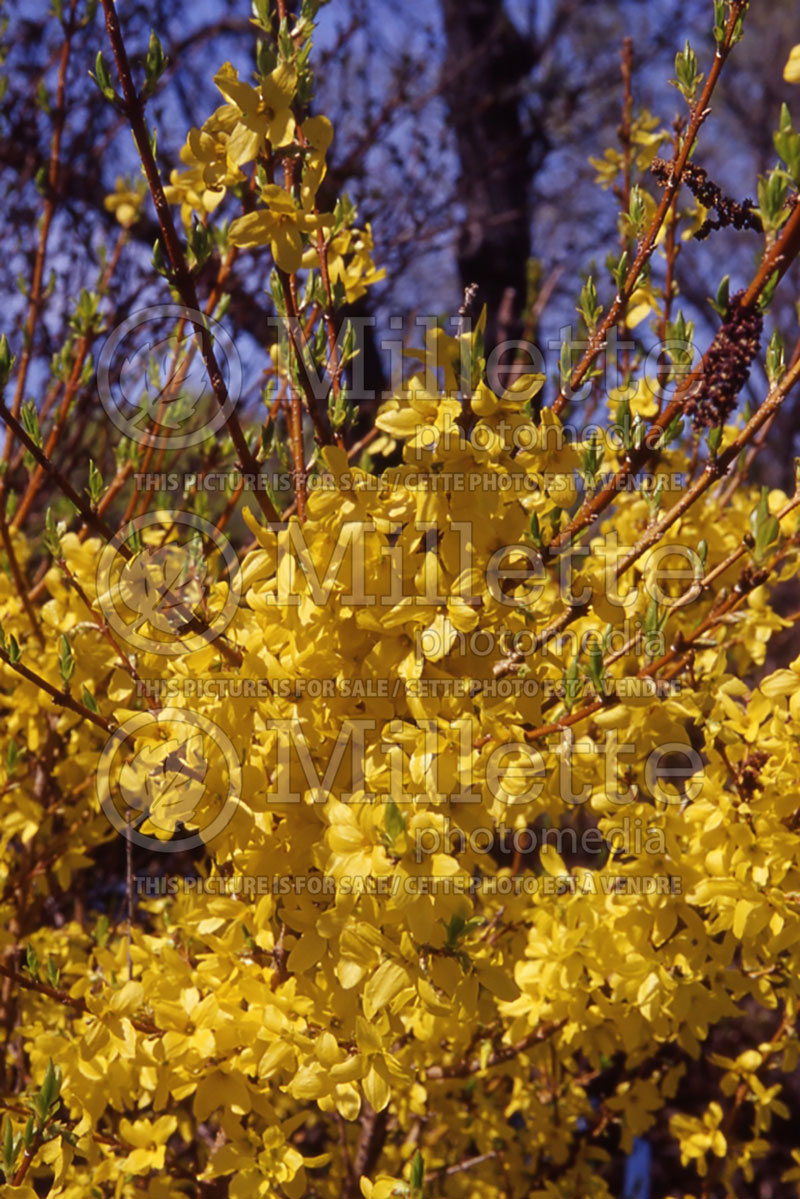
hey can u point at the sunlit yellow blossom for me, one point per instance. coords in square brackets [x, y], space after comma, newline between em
[266, 113]
[281, 225]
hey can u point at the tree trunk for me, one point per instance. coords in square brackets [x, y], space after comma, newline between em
[487, 62]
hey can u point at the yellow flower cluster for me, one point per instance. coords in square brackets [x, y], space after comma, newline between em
[472, 812]
[383, 958]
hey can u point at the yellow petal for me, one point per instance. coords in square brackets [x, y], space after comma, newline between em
[376, 1089]
[287, 248]
[318, 133]
[791, 72]
[387, 980]
[253, 229]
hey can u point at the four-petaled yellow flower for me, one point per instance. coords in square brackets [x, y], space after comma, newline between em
[149, 1139]
[281, 224]
[264, 113]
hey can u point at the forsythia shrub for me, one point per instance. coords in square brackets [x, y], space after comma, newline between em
[508, 635]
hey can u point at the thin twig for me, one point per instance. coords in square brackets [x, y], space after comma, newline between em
[699, 114]
[182, 276]
[62, 698]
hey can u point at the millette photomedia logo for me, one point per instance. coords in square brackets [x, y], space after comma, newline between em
[152, 379]
[169, 780]
[168, 583]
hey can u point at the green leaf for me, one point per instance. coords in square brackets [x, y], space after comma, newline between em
[776, 359]
[159, 261]
[95, 483]
[200, 244]
[31, 961]
[768, 291]
[30, 422]
[50, 1088]
[535, 532]
[6, 361]
[52, 534]
[672, 432]
[619, 270]
[714, 440]
[624, 422]
[572, 684]
[66, 659]
[787, 144]
[458, 928]
[12, 756]
[595, 668]
[719, 21]
[102, 78]
[285, 43]
[8, 1148]
[636, 212]
[654, 623]
[654, 497]
[13, 650]
[276, 292]
[154, 64]
[720, 302]
[589, 306]
[764, 527]
[687, 76]
[394, 822]
[638, 432]
[772, 200]
[565, 361]
[263, 15]
[417, 1175]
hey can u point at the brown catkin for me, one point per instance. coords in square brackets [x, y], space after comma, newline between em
[727, 365]
[729, 212]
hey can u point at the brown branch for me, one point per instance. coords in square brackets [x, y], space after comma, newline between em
[710, 1181]
[51, 200]
[671, 251]
[370, 1145]
[182, 277]
[27, 1158]
[625, 138]
[62, 698]
[19, 581]
[76, 1003]
[504, 1053]
[714, 469]
[460, 1167]
[699, 114]
[90, 517]
[780, 257]
[70, 390]
[681, 653]
[334, 364]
